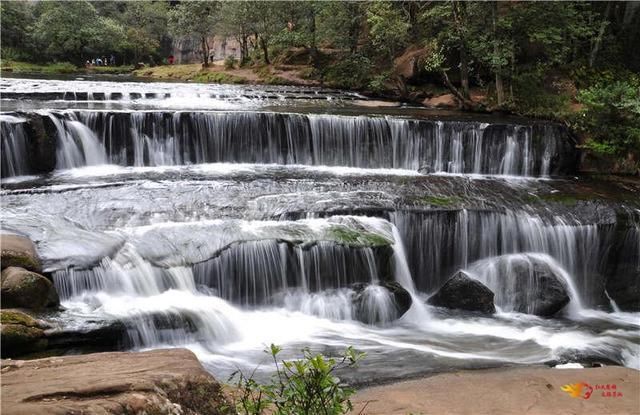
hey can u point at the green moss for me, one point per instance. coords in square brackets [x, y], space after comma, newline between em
[20, 260]
[17, 317]
[439, 201]
[562, 198]
[356, 238]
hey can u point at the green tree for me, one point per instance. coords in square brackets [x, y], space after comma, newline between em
[17, 19]
[198, 19]
[76, 33]
[388, 28]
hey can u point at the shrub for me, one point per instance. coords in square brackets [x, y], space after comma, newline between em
[299, 387]
[610, 119]
[230, 62]
[352, 72]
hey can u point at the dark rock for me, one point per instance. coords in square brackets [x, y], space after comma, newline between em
[464, 293]
[19, 251]
[107, 337]
[528, 285]
[26, 289]
[623, 282]
[382, 303]
[42, 143]
[20, 334]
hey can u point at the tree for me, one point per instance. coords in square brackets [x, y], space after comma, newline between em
[17, 19]
[195, 18]
[388, 28]
[76, 33]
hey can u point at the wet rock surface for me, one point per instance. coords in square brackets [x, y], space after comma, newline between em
[19, 251]
[464, 293]
[26, 289]
[383, 303]
[20, 334]
[160, 381]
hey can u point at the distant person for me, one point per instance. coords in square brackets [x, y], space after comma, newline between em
[88, 64]
[112, 60]
[99, 62]
[171, 59]
[93, 62]
[104, 59]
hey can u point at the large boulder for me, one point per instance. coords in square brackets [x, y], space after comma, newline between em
[19, 251]
[154, 382]
[25, 289]
[464, 293]
[525, 283]
[20, 334]
[380, 303]
[410, 64]
[623, 281]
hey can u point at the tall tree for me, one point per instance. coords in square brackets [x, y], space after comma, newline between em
[196, 18]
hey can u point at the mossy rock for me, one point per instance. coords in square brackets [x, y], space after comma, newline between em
[18, 317]
[25, 289]
[19, 251]
[356, 238]
[18, 339]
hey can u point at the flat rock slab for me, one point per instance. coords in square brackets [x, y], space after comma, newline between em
[165, 381]
[505, 391]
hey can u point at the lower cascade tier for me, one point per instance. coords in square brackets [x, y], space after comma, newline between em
[82, 138]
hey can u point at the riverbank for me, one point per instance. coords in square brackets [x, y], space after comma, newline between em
[136, 382]
[61, 68]
[530, 390]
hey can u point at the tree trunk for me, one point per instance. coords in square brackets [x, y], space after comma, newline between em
[499, 89]
[464, 72]
[265, 50]
[497, 70]
[598, 41]
[465, 102]
[205, 52]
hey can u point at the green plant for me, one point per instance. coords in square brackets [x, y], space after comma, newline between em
[610, 119]
[230, 62]
[307, 386]
[354, 71]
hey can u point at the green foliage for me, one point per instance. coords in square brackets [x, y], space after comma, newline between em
[25, 67]
[307, 386]
[611, 117]
[230, 62]
[353, 72]
[388, 28]
[536, 97]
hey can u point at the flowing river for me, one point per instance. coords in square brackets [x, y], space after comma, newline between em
[225, 218]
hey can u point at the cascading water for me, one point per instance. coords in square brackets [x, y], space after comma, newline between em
[180, 138]
[14, 146]
[312, 229]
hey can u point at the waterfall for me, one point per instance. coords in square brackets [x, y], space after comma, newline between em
[179, 138]
[15, 157]
[445, 241]
[77, 144]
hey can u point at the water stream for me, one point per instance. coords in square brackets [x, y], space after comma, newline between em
[224, 231]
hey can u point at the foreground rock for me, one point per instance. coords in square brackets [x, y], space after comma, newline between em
[19, 251]
[464, 293]
[25, 289]
[155, 382]
[20, 334]
[373, 304]
[504, 391]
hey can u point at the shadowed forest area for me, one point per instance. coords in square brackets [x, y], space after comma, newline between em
[576, 62]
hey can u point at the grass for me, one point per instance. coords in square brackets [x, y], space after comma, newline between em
[25, 67]
[189, 72]
[61, 68]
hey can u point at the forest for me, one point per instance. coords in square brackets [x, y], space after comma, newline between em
[576, 62]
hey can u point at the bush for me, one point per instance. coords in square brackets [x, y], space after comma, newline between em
[230, 62]
[537, 96]
[299, 387]
[610, 119]
[353, 72]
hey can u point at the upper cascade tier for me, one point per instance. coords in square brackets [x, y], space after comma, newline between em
[179, 138]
